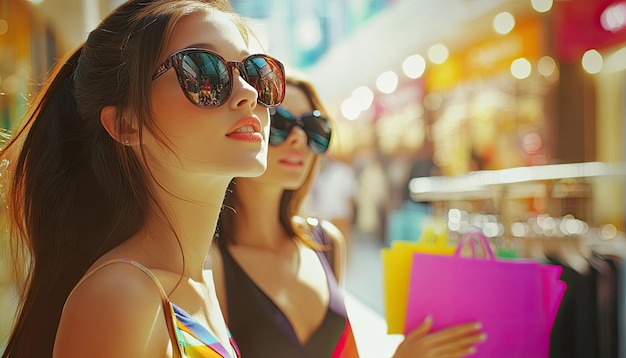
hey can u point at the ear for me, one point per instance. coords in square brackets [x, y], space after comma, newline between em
[126, 135]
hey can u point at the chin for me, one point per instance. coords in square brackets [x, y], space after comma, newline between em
[255, 169]
[246, 164]
[258, 172]
[289, 182]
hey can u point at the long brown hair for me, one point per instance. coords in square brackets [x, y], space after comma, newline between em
[73, 193]
[291, 200]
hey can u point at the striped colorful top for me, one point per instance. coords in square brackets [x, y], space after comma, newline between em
[195, 341]
[192, 339]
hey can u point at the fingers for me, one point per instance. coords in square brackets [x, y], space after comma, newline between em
[472, 340]
[458, 348]
[452, 342]
[422, 329]
[460, 332]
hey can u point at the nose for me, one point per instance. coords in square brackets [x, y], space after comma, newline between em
[243, 94]
[297, 136]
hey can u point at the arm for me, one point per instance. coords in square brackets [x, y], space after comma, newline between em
[117, 312]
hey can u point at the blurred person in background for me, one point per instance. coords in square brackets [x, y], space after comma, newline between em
[423, 166]
[118, 174]
[278, 275]
[373, 198]
[333, 196]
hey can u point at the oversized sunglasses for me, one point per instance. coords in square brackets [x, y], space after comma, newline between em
[317, 128]
[207, 79]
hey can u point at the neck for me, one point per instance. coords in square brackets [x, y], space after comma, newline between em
[185, 224]
[258, 206]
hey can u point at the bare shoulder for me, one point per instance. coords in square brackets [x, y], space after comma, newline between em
[302, 223]
[339, 251]
[115, 312]
[332, 231]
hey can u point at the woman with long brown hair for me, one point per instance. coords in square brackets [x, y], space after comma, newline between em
[117, 175]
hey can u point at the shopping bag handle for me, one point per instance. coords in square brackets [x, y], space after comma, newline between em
[472, 236]
[431, 238]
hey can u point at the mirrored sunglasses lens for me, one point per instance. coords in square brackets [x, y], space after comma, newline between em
[207, 79]
[281, 123]
[266, 75]
[282, 119]
[277, 136]
[318, 131]
[318, 144]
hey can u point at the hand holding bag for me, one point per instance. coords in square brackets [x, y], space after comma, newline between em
[515, 299]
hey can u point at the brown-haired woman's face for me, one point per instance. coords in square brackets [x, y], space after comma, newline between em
[289, 163]
[228, 140]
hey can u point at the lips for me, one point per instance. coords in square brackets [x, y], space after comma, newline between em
[247, 129]
[292, 160]
[249, 124]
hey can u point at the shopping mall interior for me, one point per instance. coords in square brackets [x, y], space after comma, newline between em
[505, 116]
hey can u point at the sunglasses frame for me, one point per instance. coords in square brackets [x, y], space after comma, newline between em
[299, 121]
[175, 60]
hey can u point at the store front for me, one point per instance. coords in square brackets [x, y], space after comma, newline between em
[27, 51]
[399, 118]
[489, 103]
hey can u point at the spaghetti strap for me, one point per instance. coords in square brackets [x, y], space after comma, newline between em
[168, 309]
[129, 261]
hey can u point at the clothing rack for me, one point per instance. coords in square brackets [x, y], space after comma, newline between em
[557, 185]
[474, 184]
[592, 317]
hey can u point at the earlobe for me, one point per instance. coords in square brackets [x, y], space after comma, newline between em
[125, 133]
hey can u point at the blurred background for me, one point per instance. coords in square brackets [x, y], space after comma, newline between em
[509, 115]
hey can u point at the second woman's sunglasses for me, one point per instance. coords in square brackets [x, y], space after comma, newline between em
[207, 79]
[317, 128]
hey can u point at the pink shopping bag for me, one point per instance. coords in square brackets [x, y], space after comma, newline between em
[515, 300]
[553, 291]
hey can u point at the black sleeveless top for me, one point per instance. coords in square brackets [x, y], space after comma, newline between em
[261, 329]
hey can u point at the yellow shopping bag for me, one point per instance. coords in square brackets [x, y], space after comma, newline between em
[396, 265]
[434, 240]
